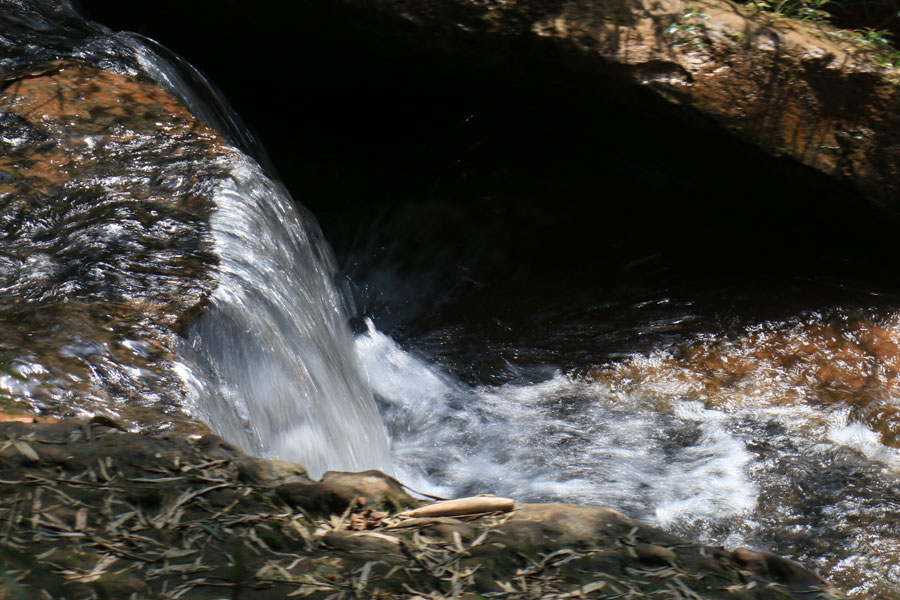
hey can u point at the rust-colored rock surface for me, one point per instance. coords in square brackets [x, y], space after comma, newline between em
[92, 131]
[106, 185]
[795, 89]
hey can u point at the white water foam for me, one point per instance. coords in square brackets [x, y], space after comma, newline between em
[860, 438]
[560, 439]
[269, 365]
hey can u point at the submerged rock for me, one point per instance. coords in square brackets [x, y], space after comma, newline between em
[846, 365]
[815, 398]
[92, 511]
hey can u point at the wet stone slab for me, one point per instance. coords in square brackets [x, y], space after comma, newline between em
[95, 512]
[106, 186]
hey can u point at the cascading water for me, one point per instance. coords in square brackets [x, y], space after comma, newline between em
[274, 346]
[123, 214]
[270, 364]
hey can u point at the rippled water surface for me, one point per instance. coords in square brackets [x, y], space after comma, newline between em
[737, 467]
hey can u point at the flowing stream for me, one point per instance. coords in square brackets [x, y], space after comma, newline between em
[778, 432]
[274, 344]
[733, 465]
[269, 364]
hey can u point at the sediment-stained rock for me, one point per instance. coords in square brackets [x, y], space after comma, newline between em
[93, 512]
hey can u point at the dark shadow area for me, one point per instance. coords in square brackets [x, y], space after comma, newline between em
[518, 214]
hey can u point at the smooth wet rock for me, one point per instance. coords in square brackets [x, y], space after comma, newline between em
[106, 187]
[777, 568]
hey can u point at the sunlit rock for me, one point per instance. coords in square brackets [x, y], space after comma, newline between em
[106, 191]
[796, 89]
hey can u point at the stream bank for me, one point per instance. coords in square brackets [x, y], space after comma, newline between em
[95, 512]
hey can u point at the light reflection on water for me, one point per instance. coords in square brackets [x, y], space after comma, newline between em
[273, 367]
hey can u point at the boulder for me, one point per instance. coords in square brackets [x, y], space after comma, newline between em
[106, 186]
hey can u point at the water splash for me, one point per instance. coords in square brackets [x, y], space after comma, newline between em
[803, 479]
[560, 439]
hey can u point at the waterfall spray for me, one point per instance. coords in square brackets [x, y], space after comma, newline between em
[283, 379]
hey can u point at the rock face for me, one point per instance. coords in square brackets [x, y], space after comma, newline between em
[795, 89]
[105, 186]
[95, 512]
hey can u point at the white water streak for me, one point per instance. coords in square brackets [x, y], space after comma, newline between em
[270, 364]
[274, 347]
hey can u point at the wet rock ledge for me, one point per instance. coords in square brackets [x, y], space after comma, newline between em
[91, 511]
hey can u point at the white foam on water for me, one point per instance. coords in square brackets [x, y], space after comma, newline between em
[560, 439]
[721, 460]
[860, 438]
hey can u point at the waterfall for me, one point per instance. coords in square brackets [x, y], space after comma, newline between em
[270, 364]
[274, 343]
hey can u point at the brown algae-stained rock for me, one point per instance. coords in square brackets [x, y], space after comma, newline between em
[106, 195]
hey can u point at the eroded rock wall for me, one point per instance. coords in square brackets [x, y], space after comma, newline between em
[796, 89]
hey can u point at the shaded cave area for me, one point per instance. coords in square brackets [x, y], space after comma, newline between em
[505, 196]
